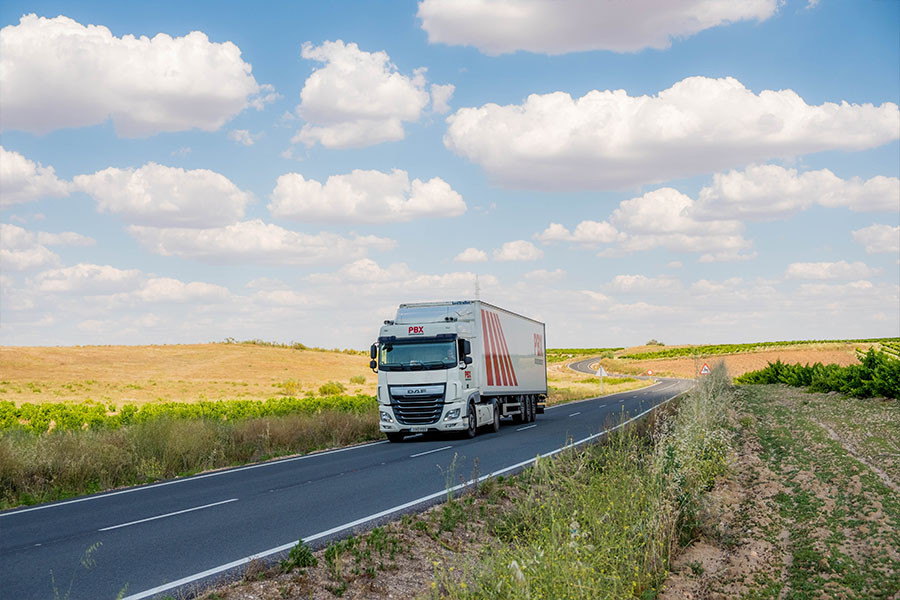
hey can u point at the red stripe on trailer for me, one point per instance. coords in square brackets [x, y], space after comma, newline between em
[512, 371]
[487, 350]
[495, 328]
[499, 366]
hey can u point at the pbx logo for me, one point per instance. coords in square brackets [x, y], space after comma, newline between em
[416, 330]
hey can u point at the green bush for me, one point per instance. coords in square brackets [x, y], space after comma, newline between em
[877, 375]
[358, 379]
[736, 348]
[332, 388]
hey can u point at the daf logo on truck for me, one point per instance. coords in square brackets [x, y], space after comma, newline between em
[475, 365]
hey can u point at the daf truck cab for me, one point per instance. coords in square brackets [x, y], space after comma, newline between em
[458, 366]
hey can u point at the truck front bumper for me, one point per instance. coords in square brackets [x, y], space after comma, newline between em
[453, 418]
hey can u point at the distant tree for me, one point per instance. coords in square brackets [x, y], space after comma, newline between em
[654, 343]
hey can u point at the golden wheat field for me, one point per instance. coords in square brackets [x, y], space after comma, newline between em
[180, 373]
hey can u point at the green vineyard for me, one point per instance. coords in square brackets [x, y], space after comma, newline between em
[718, 349]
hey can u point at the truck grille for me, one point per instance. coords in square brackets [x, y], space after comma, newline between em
[417, 404]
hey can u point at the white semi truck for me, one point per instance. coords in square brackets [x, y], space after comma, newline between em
[458, 366]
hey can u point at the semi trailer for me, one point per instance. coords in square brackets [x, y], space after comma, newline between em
[458, 366]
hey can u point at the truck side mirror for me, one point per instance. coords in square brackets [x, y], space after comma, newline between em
[373, 352]
[372, 364]
[467, 349]
[468, 360]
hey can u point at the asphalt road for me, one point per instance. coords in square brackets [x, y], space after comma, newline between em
[178, 535]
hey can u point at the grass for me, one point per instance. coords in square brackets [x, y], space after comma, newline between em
[719, 349]
[842, 522]
[61, 464]
[602, 522]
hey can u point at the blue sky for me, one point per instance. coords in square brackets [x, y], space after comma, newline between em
[689, 171]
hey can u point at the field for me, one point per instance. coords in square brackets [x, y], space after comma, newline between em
[181, 373]
[688, 366]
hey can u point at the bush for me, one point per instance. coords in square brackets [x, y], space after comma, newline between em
[878, 374]
[332, 388]
[358, 379]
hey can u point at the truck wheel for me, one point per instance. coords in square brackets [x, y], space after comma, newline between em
[532, 409]
[395, 437]
[522, 416]
[472, 430]
[495, 427]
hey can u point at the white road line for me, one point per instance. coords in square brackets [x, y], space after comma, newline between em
[575, 414]
[185, 479]
[429, 451]
[378, 515]
[526, 427]
[171, 514]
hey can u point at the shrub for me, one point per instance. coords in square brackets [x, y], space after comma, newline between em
[332, 388]
[300, 557]
[878, 374]
[358, 379]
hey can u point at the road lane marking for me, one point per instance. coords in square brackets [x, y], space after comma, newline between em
[309, 538]
[429, 451]
[575, 414]
[526, 427]
[171, 514]
[186, 479]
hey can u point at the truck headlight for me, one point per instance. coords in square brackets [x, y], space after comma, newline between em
[453, 414]
[385, 417]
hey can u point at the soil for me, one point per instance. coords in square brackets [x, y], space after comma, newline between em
[751, 536]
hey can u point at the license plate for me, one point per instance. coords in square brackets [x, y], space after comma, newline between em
[418, 429]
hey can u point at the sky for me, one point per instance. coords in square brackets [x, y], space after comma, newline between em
[690, 171]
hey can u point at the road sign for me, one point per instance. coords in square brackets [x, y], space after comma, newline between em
[704, 370]
[601, 372]
[649, 371]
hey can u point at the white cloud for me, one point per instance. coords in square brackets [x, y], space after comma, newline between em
[662, 218]
[519, 250]
[66, 238]
[359, 98]
[162, 196]
[166, 289]
[587, 233]
[89, 279]
[543, 275]
[440, 97]
[608, 139]
[830, 270]
[257, 243]
[23, 250]
[20, 250]
[21, 180]
[560, 26]
[364, 197]
[57, 73]
[770, 192]
[243, 137]
[878, 238]
[471, 255]
[642, 283]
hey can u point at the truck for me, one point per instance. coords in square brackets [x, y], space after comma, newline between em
[458, 366]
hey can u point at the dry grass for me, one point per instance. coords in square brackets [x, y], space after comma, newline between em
[183, 373]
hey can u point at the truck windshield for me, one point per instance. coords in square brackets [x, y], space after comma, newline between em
[417, 356]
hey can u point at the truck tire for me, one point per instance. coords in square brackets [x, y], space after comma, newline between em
[522, 416]
[395, 437]
[532, 409]
[472, 430]
[495, 426]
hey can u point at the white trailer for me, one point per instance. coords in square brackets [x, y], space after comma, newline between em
[458, 366]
